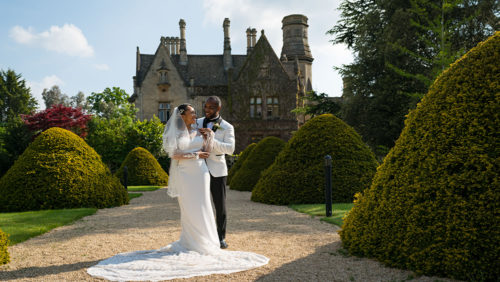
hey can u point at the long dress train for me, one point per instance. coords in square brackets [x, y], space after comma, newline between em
[197, 252]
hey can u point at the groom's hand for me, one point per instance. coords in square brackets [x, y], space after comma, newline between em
[205, 131]
[203, 155]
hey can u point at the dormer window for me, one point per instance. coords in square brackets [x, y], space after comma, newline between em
[163, 81]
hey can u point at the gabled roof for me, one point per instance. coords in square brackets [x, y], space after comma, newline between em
[206, 70]
[262, 45]
[146, 61]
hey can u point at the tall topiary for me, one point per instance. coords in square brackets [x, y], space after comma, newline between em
[241, 159]
[143, 169]
[261, 157]
[4, 251]
[59, 170]
[297, 175]
[433, 206]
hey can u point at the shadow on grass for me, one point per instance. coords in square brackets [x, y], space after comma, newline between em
[37, 271]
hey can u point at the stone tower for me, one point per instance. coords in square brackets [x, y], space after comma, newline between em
[296, 47]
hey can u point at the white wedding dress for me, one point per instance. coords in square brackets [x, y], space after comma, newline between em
[197, 252]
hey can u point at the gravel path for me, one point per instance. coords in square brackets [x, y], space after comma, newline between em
[300, 248]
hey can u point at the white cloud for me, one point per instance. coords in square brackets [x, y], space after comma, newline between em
[37, 87]
[264, 14]
[102, 67]
[22, 35]
[67, 39]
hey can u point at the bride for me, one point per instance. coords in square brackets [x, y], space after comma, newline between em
[197, 252]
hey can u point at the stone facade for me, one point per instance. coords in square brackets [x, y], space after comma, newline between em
[258, 89]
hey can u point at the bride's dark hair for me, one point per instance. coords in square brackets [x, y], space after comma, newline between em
[183, 107]
[182, 110]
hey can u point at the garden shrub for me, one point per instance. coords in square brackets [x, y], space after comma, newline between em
[261, 157]
[4, 251]
[143, 169]
[59, 170]
[434, 203]
[241, 159]
[298, 175]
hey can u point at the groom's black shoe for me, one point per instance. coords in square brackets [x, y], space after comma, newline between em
[223, 244]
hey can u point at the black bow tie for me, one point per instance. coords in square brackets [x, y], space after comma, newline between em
[208, 120]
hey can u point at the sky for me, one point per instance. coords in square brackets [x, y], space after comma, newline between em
[90, 45]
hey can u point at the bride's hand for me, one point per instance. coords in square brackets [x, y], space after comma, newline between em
[203, 155]
[205, 131]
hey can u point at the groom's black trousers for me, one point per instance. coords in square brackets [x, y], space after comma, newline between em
[218, 190]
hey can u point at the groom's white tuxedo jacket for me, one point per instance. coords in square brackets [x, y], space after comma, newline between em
[224, 143]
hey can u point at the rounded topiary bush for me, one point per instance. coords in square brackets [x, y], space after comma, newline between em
[4, 252]
[143, 169]
[261, 157]
[433, 206]
[59, 170]
[298, 175]
[241, 159]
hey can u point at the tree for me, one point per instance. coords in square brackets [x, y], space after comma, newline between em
[114, 138]
[58, 116]
[399, 50]
[78, 101]
[54, 96]
[317, 104]
[15, 96]
[14, 139]
[111, 103]
[445, 31]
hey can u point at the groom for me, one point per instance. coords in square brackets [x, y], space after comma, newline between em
[224, 143]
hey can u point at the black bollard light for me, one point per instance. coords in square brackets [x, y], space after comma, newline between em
[125, 175]
[328, 185]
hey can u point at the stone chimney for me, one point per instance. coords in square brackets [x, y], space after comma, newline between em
[183, 52]
[249, 40]
[137, 60]
[254, 37]
[177, 42]
[228, 59]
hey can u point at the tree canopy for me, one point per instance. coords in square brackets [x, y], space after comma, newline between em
[15, 96]
[399, 48]
[111, 102]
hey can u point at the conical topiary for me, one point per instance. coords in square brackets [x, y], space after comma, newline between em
[298, 175]
[143, 169]
[433, 206]
[241, 159]
[59, 170]
[259, 159]
[4, 251]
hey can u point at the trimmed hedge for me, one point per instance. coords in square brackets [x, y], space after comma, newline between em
[4, 251]
[241, 159]
[59, 170]
[433, 206]
[298, 174]
[143, 169]
[261, 157]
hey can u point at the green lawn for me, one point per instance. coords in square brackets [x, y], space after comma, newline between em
[339, 210]
[142, 188]
[23, 225]
[134, 195]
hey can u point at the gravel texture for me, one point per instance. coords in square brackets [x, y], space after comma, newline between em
[300, 248]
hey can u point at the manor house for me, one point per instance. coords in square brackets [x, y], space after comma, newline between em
[258, 89]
